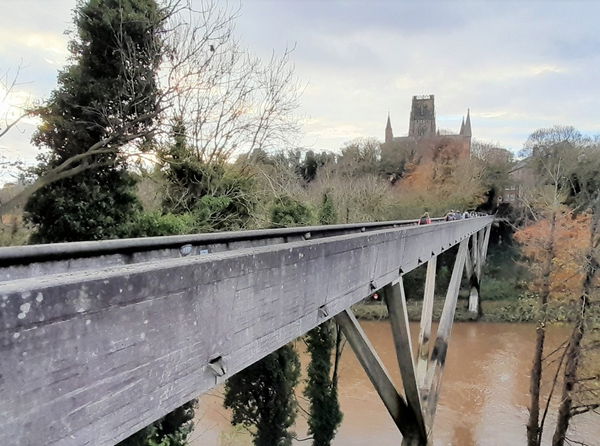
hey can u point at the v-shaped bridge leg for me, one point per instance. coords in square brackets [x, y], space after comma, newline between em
[440, 348]
[474, 267]
[414, 416]
[425, 325]
[398, 313]
[368, 358]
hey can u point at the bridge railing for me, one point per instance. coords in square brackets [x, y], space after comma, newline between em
[18, 262]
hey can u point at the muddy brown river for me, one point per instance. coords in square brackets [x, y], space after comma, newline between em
[483, 402]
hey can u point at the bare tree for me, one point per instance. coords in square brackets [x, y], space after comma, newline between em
[561, 156]
[231, 102]
[579, 395]
[548, 200]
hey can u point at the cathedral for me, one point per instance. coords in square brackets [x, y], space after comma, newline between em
[424, 141]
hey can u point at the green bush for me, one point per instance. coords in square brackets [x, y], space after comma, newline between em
[222, 197]
[290, 212]
[524, 309]
[498, 289]
[327, 213]
[152, 224]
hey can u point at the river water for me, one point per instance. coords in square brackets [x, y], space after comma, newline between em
[483, 401]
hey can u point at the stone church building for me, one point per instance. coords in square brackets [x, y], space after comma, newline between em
[424, 141]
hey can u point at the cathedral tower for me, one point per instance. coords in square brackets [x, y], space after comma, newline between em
[422, 116]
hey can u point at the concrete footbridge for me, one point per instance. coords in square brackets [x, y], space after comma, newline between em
[99, 339]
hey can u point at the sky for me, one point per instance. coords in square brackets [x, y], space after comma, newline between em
[518, 66]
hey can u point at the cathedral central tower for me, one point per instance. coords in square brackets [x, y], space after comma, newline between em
[424, 141]
[422, 116]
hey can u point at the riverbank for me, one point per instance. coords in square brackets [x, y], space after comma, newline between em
[523, 309]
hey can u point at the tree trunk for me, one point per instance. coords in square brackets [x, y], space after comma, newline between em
[570, 379]
[574, 348]
[534, 431]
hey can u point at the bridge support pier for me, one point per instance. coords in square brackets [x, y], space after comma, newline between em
[425, 325]
[474, 267]
[440, 347]
[378, 375]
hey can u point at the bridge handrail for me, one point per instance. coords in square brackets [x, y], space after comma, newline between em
[14, 255]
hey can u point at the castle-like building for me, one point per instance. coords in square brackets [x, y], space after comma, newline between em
[424, 141]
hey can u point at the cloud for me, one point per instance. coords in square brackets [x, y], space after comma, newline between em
[517, 65]
[45, 42]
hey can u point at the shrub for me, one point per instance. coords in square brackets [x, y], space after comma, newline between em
[152, 224]
[290, 212]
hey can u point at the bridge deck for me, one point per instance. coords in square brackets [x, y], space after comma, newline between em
[97, 344]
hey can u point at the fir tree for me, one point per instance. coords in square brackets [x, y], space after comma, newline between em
[107, 95]
[262, 396]
[321, 388]
[327, 213]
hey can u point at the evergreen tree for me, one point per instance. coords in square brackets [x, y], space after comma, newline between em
[262, 396]
[327, 213]
[290, 212]
[105, 98]
[219, 196]
[171, 430]
[321, 388]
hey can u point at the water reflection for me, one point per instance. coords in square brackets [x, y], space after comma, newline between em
[484, 393]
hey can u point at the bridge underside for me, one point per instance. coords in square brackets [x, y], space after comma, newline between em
[92, 349]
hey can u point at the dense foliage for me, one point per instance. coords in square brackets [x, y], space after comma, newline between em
[218, 195]
[261, 397]
[171, 430]
[327, 212]
[290, 212]
[107, 94]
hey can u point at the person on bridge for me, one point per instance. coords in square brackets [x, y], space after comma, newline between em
[425, 219]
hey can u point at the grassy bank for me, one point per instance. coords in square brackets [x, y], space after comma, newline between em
[510, 310]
